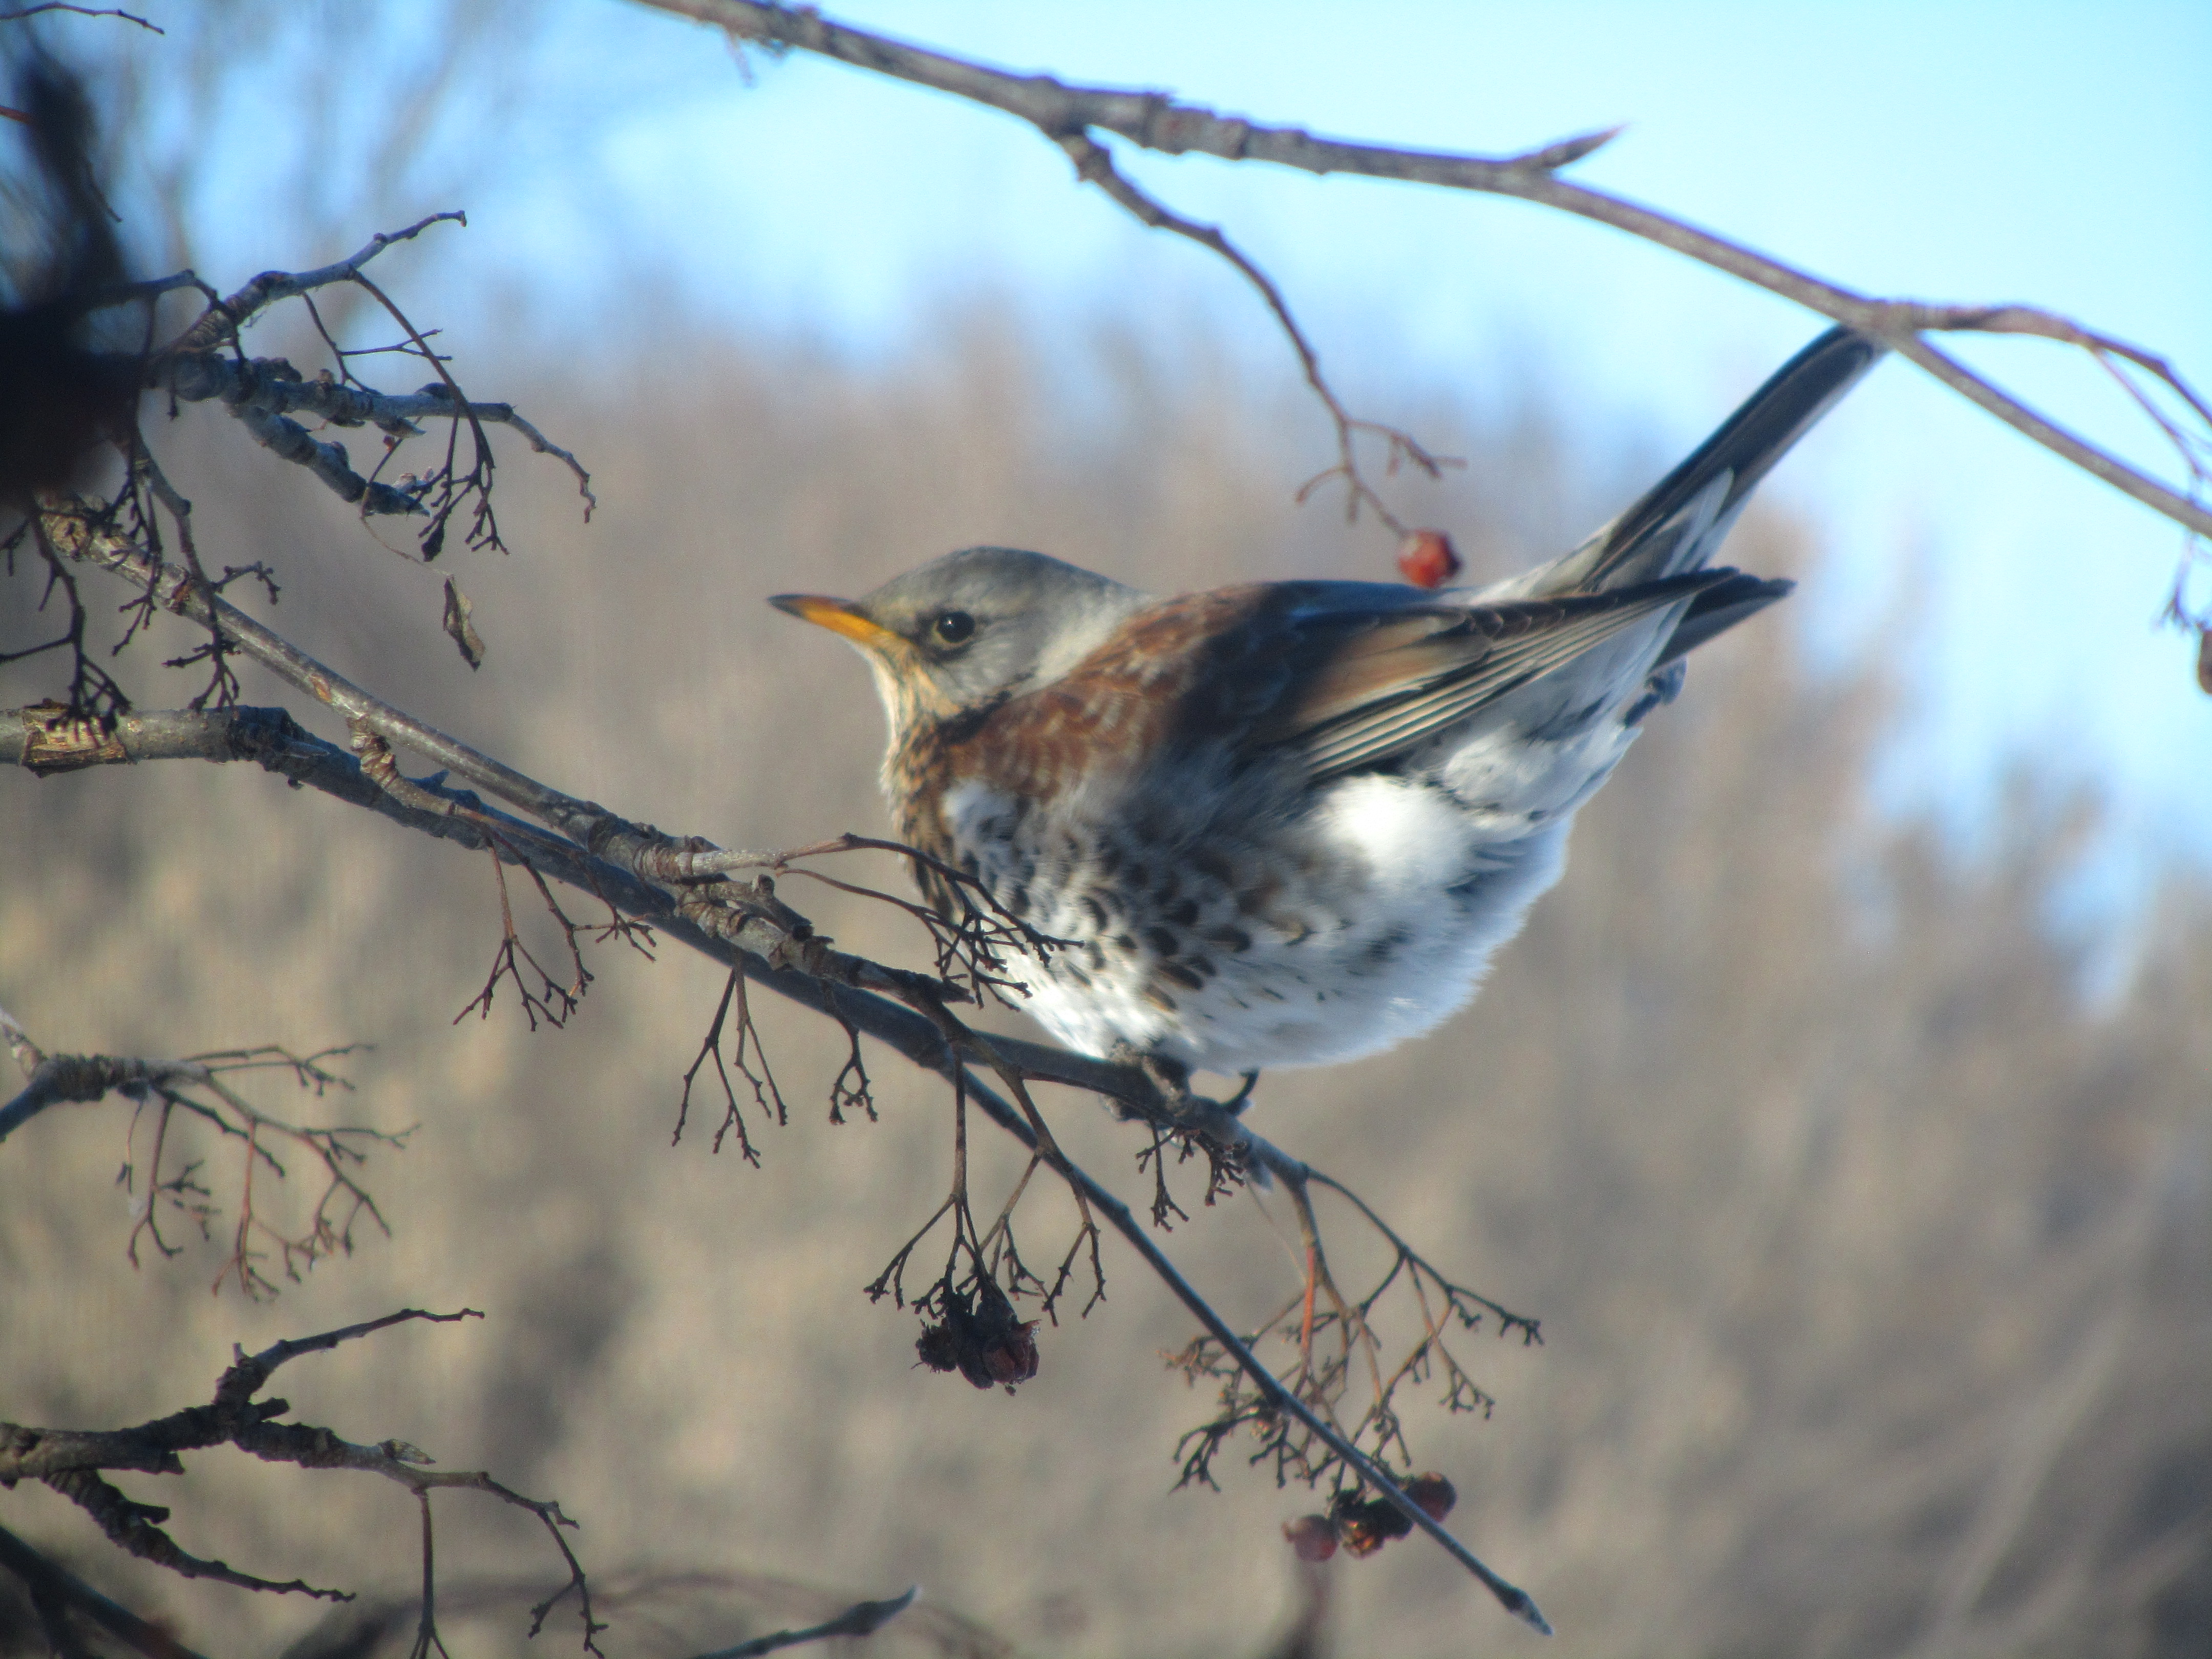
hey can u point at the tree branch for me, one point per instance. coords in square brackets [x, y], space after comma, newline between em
[219, 323]
[1158, 122]
[861, 1619]
[70, 1461]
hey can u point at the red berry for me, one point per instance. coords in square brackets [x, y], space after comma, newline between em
[1433, 1495]
[1311, 1536]
[1426, 560]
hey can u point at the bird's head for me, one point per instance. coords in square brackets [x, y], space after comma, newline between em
[973, 628]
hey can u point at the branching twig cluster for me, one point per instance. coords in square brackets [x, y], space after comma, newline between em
[205, 362]
[166, 1184]
[1334, 1347]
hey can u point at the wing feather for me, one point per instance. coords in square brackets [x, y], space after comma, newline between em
[1386, 683]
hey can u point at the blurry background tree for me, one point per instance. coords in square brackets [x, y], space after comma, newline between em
[1859, 1169]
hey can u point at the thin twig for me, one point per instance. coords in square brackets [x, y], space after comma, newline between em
[861, 1619]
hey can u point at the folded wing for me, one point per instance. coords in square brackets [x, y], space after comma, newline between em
[1376, 684]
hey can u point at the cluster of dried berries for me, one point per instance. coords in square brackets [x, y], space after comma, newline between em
[979, 1338]
[1364, 1525]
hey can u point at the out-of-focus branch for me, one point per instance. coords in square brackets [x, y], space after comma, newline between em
[861, 1619]
[196, 1089]
[1158, 122]
[20, 13]
[262, 392]
[56, 1591]
[71, 1460]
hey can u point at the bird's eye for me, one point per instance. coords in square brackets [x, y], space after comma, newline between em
[952, 627]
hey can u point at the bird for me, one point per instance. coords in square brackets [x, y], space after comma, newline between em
[1287, 824]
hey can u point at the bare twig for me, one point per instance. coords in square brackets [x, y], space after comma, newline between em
[219, 323]
[21, 12]
[1094, 164]
[195, 1088]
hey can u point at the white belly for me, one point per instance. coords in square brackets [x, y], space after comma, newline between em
[1364, 920]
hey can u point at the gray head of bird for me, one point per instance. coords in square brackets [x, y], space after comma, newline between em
[967, 630]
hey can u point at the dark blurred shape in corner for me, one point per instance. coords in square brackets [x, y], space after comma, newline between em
[60, 264]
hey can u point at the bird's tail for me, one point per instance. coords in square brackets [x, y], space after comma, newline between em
[1682, 520]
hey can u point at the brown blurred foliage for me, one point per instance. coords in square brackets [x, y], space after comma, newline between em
[1875, 1259]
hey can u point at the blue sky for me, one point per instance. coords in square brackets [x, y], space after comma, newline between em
[2057, 154]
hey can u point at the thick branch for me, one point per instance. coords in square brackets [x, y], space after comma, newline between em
[80, 1079]
[264, 392]
[295, 754]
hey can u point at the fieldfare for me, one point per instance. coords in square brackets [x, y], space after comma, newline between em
[1286, 823]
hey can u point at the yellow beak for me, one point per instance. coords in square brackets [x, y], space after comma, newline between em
[839, 616]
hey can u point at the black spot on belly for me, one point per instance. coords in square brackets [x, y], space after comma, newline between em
[1256, 898]
[1094, 909]
[1163, 941]
[1184, 914]
[1159, 998]
[1231, 940]
[1017, 900]
[1124, 943]
[1188, 978]
[1065, 969]
[1095, 956]
[1381, 949]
